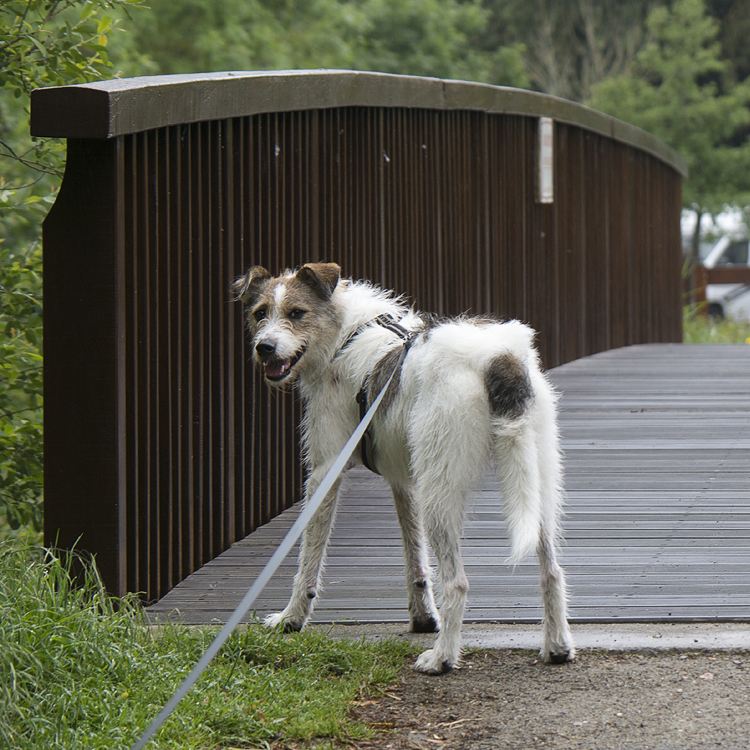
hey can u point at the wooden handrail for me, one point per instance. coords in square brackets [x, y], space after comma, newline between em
[107, 109]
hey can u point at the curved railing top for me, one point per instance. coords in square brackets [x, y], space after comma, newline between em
[121, 106]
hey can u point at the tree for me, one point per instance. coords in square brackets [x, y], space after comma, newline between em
[42, 43]
[417, 37]
[569, 45]
[193, 36]
[433, 38]
[735, 31]
[682, 92]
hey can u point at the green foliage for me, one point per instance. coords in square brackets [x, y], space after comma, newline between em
[416, 37]
[42, 43]
[50, 43]
[188, 36]
[681, 91]
[424, 37]
[45, 43]
[735, 31]
[21, 389]
[568, 46]
[698, 328]
[81, 670]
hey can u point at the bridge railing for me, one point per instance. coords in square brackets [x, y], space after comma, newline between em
[162, 448]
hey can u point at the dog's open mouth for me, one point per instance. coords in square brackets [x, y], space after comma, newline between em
[276, 370]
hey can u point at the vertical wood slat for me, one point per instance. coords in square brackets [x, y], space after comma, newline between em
[438, 204]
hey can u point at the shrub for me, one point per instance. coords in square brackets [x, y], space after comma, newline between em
[21, 390]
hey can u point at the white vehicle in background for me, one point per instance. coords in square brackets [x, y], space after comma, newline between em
[729, 300]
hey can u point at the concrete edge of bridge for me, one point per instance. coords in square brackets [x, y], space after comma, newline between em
[594, 636]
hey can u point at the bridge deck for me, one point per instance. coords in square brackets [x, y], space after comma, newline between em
[657, 446]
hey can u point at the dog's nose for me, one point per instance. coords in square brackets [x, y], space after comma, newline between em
[265, 349]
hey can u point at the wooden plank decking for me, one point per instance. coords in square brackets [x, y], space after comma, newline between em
[657, 445]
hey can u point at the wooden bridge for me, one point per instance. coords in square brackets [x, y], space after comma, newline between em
[170, 449]
[657, 445]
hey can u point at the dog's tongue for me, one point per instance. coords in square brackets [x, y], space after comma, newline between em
[277, 368]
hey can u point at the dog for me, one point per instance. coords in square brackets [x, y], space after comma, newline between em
[465, 391]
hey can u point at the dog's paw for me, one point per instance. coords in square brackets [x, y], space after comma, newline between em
[425, 624]
[558, 654]
[434, 662]
[288, 623]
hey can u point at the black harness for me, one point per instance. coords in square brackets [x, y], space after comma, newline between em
[384, 321]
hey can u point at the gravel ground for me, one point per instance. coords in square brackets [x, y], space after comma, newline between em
[632, 687]
[623, 700]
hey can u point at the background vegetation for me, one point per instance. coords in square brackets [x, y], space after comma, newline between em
[698, 328]
[678, 68]
[42, 43]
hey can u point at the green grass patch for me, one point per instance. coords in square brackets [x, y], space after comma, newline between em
[79, 669]
[701, 329]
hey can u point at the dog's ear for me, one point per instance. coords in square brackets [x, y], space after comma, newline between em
[247, 287]
[321, 277]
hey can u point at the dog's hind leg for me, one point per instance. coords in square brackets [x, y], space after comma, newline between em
[311, 560]
[443, 516]
[449, 441]
[557, 640]
[529, 469]
[423, 614]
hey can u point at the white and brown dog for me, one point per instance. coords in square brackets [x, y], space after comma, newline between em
[467, 391]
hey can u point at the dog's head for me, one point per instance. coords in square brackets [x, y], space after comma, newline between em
[287, 316]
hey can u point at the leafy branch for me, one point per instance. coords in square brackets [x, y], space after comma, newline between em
[42, 43]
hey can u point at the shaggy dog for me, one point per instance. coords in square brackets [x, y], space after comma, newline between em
[465, 391]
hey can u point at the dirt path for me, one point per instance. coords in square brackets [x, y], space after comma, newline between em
[621, 700]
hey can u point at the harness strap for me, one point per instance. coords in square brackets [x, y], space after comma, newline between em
[366, 443]
[384, 321]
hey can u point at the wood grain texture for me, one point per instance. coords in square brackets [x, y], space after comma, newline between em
[657, 454]
[106, 109]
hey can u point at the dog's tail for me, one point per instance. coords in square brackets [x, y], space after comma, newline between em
[521, 497]
[527, 455]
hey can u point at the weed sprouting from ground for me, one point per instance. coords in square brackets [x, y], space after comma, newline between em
[79, 669]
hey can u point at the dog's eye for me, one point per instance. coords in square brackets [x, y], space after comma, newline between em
[260, 313]
[296, 314]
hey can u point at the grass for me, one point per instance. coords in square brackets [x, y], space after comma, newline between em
[700, 329]
[79, 669]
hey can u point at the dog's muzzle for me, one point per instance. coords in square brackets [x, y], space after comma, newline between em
[275, 368]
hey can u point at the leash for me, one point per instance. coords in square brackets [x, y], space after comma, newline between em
[272, 565]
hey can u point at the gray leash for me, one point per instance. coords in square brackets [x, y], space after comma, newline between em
[278, 557]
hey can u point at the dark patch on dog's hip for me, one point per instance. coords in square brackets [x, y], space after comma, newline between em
[508, 386]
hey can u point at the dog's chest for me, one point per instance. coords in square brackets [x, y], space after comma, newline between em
[331, 416]
[331, 406]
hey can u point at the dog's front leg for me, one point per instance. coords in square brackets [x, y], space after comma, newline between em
[311, 559]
